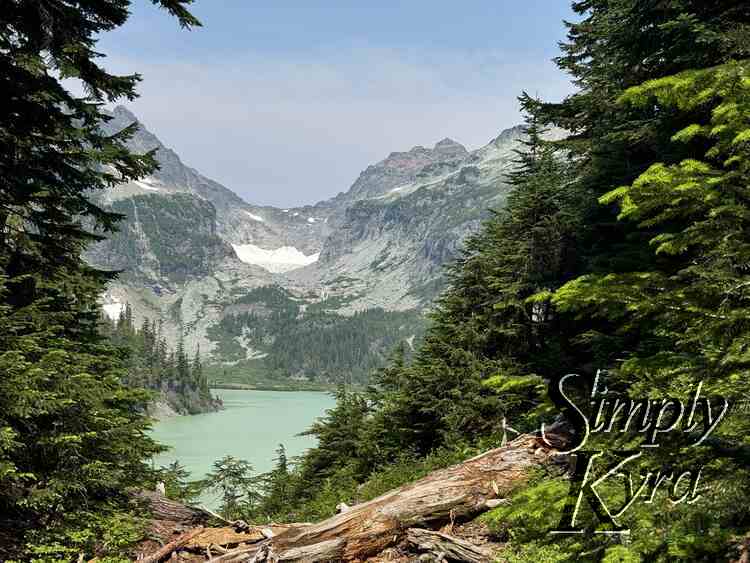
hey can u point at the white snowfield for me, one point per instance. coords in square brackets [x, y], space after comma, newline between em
[147, 184]
[284, 259]
[255, 217]
[113, 310]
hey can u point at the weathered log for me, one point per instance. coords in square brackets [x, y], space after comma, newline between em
[460, 491]
[224, 537]
[743, 550]
[452, 548]
[172, 546]
[162, 508]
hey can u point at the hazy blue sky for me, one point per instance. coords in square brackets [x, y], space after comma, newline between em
[286, 102]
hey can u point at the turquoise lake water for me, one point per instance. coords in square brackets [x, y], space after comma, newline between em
[251, 427]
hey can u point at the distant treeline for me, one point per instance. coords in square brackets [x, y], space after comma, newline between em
[151, 364]
[311, 342]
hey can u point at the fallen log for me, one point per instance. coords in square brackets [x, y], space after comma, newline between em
[163, 508]
[172, 546]
[457, 492]
[449, 547]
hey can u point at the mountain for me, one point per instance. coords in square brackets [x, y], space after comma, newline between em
[320, 292]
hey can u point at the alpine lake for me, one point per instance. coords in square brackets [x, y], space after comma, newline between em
[251, 426]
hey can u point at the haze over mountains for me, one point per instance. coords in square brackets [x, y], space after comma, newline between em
[306, 292]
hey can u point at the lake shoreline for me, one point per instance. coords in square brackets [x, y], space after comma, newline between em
[251, 426]
[286, 387]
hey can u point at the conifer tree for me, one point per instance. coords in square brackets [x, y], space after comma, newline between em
[71, 434]
[232, 478]
[691, 310]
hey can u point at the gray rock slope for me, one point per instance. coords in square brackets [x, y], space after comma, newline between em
[190, 250]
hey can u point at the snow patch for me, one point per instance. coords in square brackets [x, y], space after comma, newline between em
[311, 219]
[113, 309]
[282, 259]
[285, 211]
[255, 217]
[295, 214]
[147, 184]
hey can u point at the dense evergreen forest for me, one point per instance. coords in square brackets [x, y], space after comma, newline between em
[306, 341]
[623, 247]
[150, 364]
[73, 435]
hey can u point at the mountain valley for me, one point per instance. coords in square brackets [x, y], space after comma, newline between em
[318, 293]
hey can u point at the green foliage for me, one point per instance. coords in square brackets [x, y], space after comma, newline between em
[150, 364]
[177, 485]
[72, 433]
[72, 437]
[111, 531]
[329, 347]
[232, 479]
[689, 310]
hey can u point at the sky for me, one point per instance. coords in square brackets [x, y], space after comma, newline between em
[286, 102]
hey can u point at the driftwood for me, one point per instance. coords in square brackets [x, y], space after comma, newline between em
[457, 492]
[447, 547]
[172, 546]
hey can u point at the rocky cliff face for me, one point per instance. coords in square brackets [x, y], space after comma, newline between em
[401, 168]
[194, 253]
[168, 238]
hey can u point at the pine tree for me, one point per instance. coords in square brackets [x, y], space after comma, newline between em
[277, 488]
[691, 311]
[199, 380]
[656, 275]
[232, 478]
[182, 365]
[72, 437]
[177, 484]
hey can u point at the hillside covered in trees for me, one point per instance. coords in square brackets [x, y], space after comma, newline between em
[621, 257]
[307, 342]
[178, 380]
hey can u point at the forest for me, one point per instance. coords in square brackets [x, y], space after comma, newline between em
[151, 364]
[622, 252]
[328, 347]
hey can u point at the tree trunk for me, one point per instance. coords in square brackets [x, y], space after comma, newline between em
[163, 508]
[447, 547]
[457, 492]
[172, 546]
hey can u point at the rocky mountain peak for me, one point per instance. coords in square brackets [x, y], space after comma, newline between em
[450, 148]
[403, 167]
[449, 143]
[193, 251]
[509, 135]
[143, 140]
[123, 113]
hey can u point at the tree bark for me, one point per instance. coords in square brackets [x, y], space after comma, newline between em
[162, 508]
[172, 546]
[451, 548]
